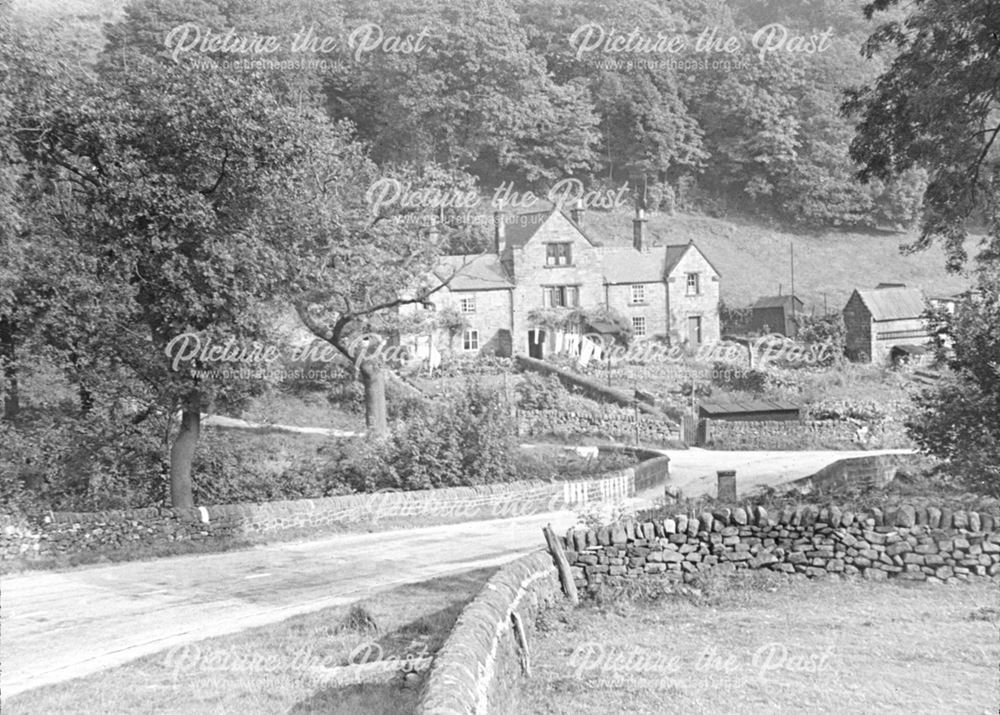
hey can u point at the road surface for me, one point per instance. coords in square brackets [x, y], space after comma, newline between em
[62, 625]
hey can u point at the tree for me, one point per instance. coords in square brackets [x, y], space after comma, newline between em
[937, 107]
[960, 420]
[352, 268]
[169, 165]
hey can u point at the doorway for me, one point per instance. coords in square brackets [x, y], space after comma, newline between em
[536, 344]
[694, 330]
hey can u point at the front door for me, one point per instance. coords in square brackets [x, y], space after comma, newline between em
[536, 344]
[694, 330]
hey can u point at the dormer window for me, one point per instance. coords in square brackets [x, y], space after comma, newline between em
[558, 254]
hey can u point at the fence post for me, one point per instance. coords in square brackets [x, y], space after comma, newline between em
[727, 485]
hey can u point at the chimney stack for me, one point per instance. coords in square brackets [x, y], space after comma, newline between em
[639, 229]
[499, 232]
[576, 213]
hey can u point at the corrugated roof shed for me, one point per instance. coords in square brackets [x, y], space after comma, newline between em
[893, 303]
[474, 272]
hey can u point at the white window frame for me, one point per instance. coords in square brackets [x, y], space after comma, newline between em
[637, 295]
[470, 339]
[559, 260]
[695, 279]
[464, 302]
[639, 326]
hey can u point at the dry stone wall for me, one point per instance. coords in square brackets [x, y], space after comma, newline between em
[915, 543]
[803, 434]
[612, 423]
[64, 534]
[478, 668]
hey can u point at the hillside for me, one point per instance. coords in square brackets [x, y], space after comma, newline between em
[754, 259]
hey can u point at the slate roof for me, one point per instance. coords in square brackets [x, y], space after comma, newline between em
[474, 272]
[776, 301]
[893, 303]
[520, 227]
[628, 265]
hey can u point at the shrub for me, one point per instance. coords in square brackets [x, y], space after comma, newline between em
[729, 377]
[825, 329]
[89, 464]
[469, 439]
[540, 392]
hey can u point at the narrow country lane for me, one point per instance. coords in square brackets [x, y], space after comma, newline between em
[62, 625]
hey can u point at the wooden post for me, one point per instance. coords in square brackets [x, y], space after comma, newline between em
[562, 565]
[637, 423]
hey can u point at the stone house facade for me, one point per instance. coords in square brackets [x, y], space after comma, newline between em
[545, 262]
[880, 321]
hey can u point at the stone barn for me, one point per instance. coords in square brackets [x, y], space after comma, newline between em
[880, 320]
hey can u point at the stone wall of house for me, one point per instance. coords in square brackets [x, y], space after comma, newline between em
[653, 308]
[478, 668]
[682, 306]
[63, 534]
[914, 543]
[531, 273]
[803, 434]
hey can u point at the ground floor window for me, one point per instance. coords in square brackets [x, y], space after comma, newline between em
[639, 326]
[470, 340]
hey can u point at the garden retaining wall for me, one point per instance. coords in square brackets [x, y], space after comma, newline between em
[63, 533]
[802, 434]
[478, 668]
[610, 424]
[906, 542]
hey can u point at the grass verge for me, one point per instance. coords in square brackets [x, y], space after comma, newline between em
[296, 666]
[765, 643]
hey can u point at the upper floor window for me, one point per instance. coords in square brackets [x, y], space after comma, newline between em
[693, 284]
[468, 304]
[562, 296]
[558, 254]
[638, 294]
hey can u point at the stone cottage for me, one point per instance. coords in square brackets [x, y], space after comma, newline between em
[885, 320]
[545, 262]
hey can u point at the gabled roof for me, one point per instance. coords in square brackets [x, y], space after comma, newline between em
[473, 272]
[521, 228]
[676, 252]
[776, 301]
[627, 265]
[893, 303]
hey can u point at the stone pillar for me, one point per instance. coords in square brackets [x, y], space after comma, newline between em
[727, 485]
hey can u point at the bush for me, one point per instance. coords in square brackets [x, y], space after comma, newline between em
[88, 464]
[730, 377]
[470, 439]
[825, 329]
[540, 392]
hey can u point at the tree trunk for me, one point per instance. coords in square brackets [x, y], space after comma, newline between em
[373, 380]
[182, 455]
[11, 389]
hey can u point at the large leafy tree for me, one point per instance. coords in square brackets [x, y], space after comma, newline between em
[168, 166]
[937, 107]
